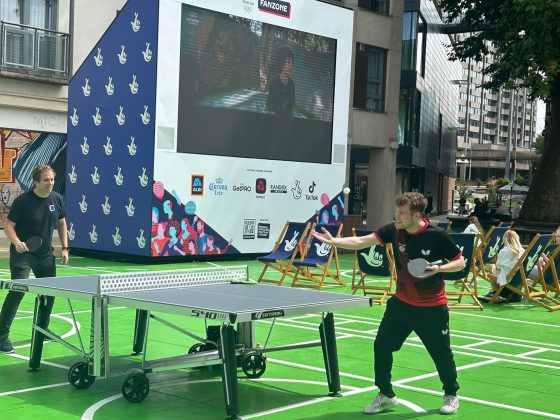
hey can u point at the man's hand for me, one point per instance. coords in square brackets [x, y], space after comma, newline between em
[21, 247]
[325, 236]
[64, 257]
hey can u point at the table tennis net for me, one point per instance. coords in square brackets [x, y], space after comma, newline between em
[148, 280]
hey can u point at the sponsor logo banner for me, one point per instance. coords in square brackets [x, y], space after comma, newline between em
[276, 7]
[218, 187]
[263, 230]
[249, 226]
[197, 184]
[268, 314]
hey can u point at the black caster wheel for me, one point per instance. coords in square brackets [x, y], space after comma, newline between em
[196, 348]
[79, 377]
[253, 365]
[136, 387]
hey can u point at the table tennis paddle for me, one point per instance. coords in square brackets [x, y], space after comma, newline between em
[33, 243]
[417, 268]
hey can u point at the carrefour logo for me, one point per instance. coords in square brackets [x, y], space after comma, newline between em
[218, 187]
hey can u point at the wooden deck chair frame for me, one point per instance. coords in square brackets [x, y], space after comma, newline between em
[285, 266]
[315, 277]
[481, 249]
[468, 283]
[531, 294]
[551, 267]
[381, 291]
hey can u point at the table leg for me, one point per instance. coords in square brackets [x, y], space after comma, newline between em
[140, 327]
[229, 370]
[330, 354]
[43, 308]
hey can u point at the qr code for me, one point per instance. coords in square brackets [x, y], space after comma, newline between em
[249, 228]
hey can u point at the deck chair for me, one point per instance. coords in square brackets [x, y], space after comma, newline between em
[488, 249]
[444, 225]
[313, 270]
[549, 274]
[376, 261]
[466, 279]
[288, 247]
[517, 283]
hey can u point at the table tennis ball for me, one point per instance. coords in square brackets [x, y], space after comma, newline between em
[346, 190]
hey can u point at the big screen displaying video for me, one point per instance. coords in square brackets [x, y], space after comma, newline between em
[254, 90]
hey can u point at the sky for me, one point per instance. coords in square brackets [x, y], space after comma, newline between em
[541, 107]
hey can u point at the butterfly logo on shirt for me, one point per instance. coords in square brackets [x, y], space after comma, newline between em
[425, 252]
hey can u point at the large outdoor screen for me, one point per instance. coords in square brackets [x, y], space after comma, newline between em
[254, 90]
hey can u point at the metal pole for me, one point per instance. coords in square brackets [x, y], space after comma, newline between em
[467, 137]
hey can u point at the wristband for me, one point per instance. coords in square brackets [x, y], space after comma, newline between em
[65, 248]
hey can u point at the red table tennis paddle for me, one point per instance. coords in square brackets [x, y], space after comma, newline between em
[417, 268]
[33, 243]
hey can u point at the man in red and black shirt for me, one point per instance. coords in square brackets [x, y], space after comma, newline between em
[419, 305]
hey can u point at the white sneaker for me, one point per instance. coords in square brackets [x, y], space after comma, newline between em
[450, 404]
[380, 403]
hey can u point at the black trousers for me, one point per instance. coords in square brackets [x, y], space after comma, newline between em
[20, 266]
[431, 324]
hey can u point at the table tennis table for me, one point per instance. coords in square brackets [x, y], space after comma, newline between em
[224, 296]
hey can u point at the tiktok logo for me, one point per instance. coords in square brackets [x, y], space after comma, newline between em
[312, 187]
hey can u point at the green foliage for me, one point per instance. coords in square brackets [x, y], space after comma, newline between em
[524, 34]
[502, 182]
[463, 189]
[478, 181]
[520, 180]
[539, 145]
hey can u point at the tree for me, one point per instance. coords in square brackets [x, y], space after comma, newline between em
[524, 37]
[539, 145]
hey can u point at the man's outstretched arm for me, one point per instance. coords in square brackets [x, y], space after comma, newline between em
[349, 242]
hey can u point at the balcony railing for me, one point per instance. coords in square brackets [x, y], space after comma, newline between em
[33, 49]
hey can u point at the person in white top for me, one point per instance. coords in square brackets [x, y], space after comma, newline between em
[516, 210]
[474, 226]
[507, 257]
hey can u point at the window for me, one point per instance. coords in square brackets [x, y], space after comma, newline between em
[379, 6]
[369, 79]
[36, 13]
[490, 114]
[414, 43]
[409, 117]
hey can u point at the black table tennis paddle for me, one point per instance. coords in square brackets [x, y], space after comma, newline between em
[33, 243]
[417, 268]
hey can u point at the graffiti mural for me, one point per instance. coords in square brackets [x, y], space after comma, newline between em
[20, 152]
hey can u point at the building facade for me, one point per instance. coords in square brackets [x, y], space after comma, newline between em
[496, 128]
[427, 107]
[35, 66]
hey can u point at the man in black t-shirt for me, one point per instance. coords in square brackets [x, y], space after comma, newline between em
[34, 213]
[419, 304]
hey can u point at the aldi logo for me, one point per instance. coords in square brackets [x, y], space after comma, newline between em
[276, 7]
[197, 184]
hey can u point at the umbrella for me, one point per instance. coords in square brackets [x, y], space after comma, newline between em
[512, 187]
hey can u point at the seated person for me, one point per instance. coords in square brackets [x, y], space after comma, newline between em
[507, 258]
[502, 212]
[474, 226]
[543, 258]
